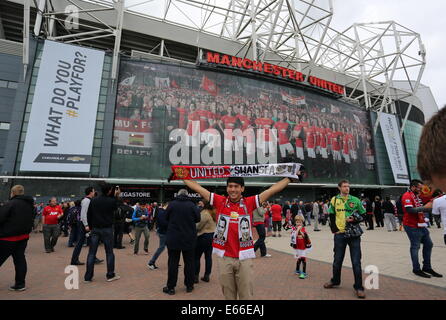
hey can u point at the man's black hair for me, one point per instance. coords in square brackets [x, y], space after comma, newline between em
[105, 189]
[238, 180]
[415, 183]
[88, 190]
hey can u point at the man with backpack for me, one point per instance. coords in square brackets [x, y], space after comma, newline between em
[141, 217]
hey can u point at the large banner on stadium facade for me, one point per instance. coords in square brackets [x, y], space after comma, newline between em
[63, 114]
[394, 147]
[182, 115]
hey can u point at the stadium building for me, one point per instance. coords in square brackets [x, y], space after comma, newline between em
[118, 91]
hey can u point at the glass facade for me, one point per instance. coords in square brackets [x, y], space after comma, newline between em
[384, 169]
[412, 134]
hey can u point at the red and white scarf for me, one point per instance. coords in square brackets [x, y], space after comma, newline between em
[422, 220]
[290, 170]
[246, 243]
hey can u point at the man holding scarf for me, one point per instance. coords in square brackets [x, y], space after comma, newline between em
[235, 248]
[415, 225]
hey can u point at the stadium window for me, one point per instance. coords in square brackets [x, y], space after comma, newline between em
[5, 125]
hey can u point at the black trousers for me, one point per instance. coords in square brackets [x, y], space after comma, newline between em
[172, 265]
[260, 243]
[370, 220]
[16, 249]
[204, 245]
[117, 234]
[379, 217]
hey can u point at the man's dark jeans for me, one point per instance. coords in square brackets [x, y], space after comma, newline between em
[16, 249]
[340, 244]
[260, 243]
[160, 249]
[416, 237]
[80, 242]
[117, 236]
[106, 236]
[204, 245]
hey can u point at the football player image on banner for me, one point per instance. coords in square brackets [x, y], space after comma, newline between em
[168, 115]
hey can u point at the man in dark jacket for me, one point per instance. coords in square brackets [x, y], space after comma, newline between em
[16, 222]
[100, 220]
[182, 215]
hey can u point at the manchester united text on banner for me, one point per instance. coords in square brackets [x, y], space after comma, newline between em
[267, 68]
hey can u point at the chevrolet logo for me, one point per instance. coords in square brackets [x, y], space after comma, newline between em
[76, 159]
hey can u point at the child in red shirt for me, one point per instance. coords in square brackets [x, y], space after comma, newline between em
[300, 241]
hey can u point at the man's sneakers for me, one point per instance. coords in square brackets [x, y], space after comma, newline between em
[98, 261]
[152, 266]
[421, 274]
[297, 272]
[116, 277]
[205, 278]
[302, 275]
[266, 256]
[17, 288]
[169, 291]
[146, 252]
[77, 263]
[432, 273]
[360, 294]
[330, 285]
[189, 289]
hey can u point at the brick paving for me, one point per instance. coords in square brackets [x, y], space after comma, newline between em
[274, 279]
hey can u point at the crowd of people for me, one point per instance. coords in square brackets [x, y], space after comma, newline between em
[192, 229]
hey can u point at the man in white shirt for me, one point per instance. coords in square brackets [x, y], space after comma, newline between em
[83, 228]
[439, 208]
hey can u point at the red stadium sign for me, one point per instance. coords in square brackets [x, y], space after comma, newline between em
[271, 69]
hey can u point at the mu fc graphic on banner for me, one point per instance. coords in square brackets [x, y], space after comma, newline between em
[63, 113]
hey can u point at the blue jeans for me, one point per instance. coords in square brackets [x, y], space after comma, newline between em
[340, 244]
[106, 236]
[160, 249]
[80, 242]
[416, 237]
[260, 243]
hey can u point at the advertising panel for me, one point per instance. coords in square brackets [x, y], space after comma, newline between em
[63, 114]
[182, 115]
[394, 146]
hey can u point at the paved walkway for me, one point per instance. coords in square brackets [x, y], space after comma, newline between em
[274, 277]
[389, 251]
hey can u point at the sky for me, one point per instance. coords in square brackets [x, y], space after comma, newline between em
[424, 17]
